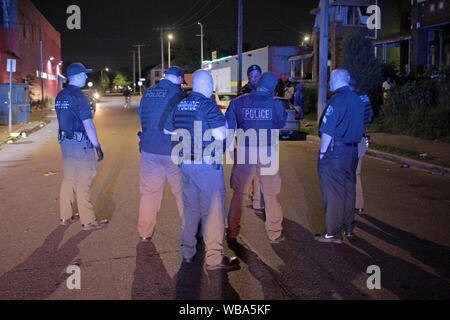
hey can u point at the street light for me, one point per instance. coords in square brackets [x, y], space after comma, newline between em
[201, 36]
[170, 38]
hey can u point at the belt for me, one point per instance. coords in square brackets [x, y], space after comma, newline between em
[342, 144]
[79, 136]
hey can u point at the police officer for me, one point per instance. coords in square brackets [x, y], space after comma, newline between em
[203, 177]
[362, 147]
[342, 128]
[156, 105]
[254, 74]
[257, 111]
[79, 142]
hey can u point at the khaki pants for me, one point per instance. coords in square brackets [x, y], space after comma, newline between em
[80, 170]
[362, 150]
[258, 199]
[270, 188]
[155, 171]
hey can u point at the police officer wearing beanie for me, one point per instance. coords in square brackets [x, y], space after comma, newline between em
[362, 147]
[204, 190]
[257, 111]
[157, 167]
[254, 74]
[79, 142]
[342, 128]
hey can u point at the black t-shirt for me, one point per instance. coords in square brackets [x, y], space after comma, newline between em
[72, 108]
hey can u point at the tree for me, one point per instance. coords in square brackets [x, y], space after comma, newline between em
[106, 81]
[358, 57]
[123, 78]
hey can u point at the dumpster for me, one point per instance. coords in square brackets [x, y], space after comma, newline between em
[20, 104]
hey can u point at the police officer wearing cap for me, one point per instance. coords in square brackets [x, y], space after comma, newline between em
[257, 111]
[157, 167]
[79, 143]
[362, 147]
[254, 74]
[342, 128]
[203, 176]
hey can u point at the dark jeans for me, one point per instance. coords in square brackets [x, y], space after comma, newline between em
[337, 174]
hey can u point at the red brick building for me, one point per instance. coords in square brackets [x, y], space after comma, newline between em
[23, 31]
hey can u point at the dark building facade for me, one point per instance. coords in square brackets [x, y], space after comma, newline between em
[30, 39]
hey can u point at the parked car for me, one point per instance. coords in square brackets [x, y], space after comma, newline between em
[90, 94]
[224, 99]
[292, 129]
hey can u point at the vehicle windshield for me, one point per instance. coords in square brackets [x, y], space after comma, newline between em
[226, 97]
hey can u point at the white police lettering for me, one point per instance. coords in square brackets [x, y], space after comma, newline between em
[258, 114]
[62, 104]
[156, 93]
[74, 21]
[188, 106]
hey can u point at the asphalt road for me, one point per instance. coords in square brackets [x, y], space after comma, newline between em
[406, 233]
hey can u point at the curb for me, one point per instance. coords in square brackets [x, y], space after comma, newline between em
[415, 164]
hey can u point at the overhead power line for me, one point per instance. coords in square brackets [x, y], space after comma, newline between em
[180, 21]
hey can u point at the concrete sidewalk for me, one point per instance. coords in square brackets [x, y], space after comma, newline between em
[435, 149]
[38, 120]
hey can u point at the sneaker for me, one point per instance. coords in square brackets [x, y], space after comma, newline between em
[278, 240]
[226, 265]
[93, 226]
[68, 222]
[325, 238]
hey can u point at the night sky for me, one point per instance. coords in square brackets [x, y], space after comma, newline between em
[110, 28]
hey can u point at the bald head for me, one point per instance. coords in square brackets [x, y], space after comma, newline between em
[339, 78]
[203, 83]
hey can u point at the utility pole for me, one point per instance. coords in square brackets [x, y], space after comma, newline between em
[323, 64]
[240, 42]
[140, 69]
[134, 69]
[201, 37]
[161, 29]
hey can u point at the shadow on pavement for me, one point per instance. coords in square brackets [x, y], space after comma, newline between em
[432, 254]
[151, 280]
[193, 283]
[44, 271]
[326, 271]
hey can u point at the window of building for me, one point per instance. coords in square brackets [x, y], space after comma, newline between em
[432, 7]
[441, 5]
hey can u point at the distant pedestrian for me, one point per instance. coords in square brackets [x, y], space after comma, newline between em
[298, 104]
[204, 192]
[156, 162]
[362, 147]
[279, 90]
[388, 85]
[289, 92]
[341, 129]
[79, 142]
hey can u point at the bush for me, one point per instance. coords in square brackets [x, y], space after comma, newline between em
[420, 108]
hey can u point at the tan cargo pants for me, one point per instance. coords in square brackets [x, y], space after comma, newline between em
[155, 171]
[80, 170]
[241, 180]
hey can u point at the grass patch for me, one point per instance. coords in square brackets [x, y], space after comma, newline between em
[408, 154]
[313, 130]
